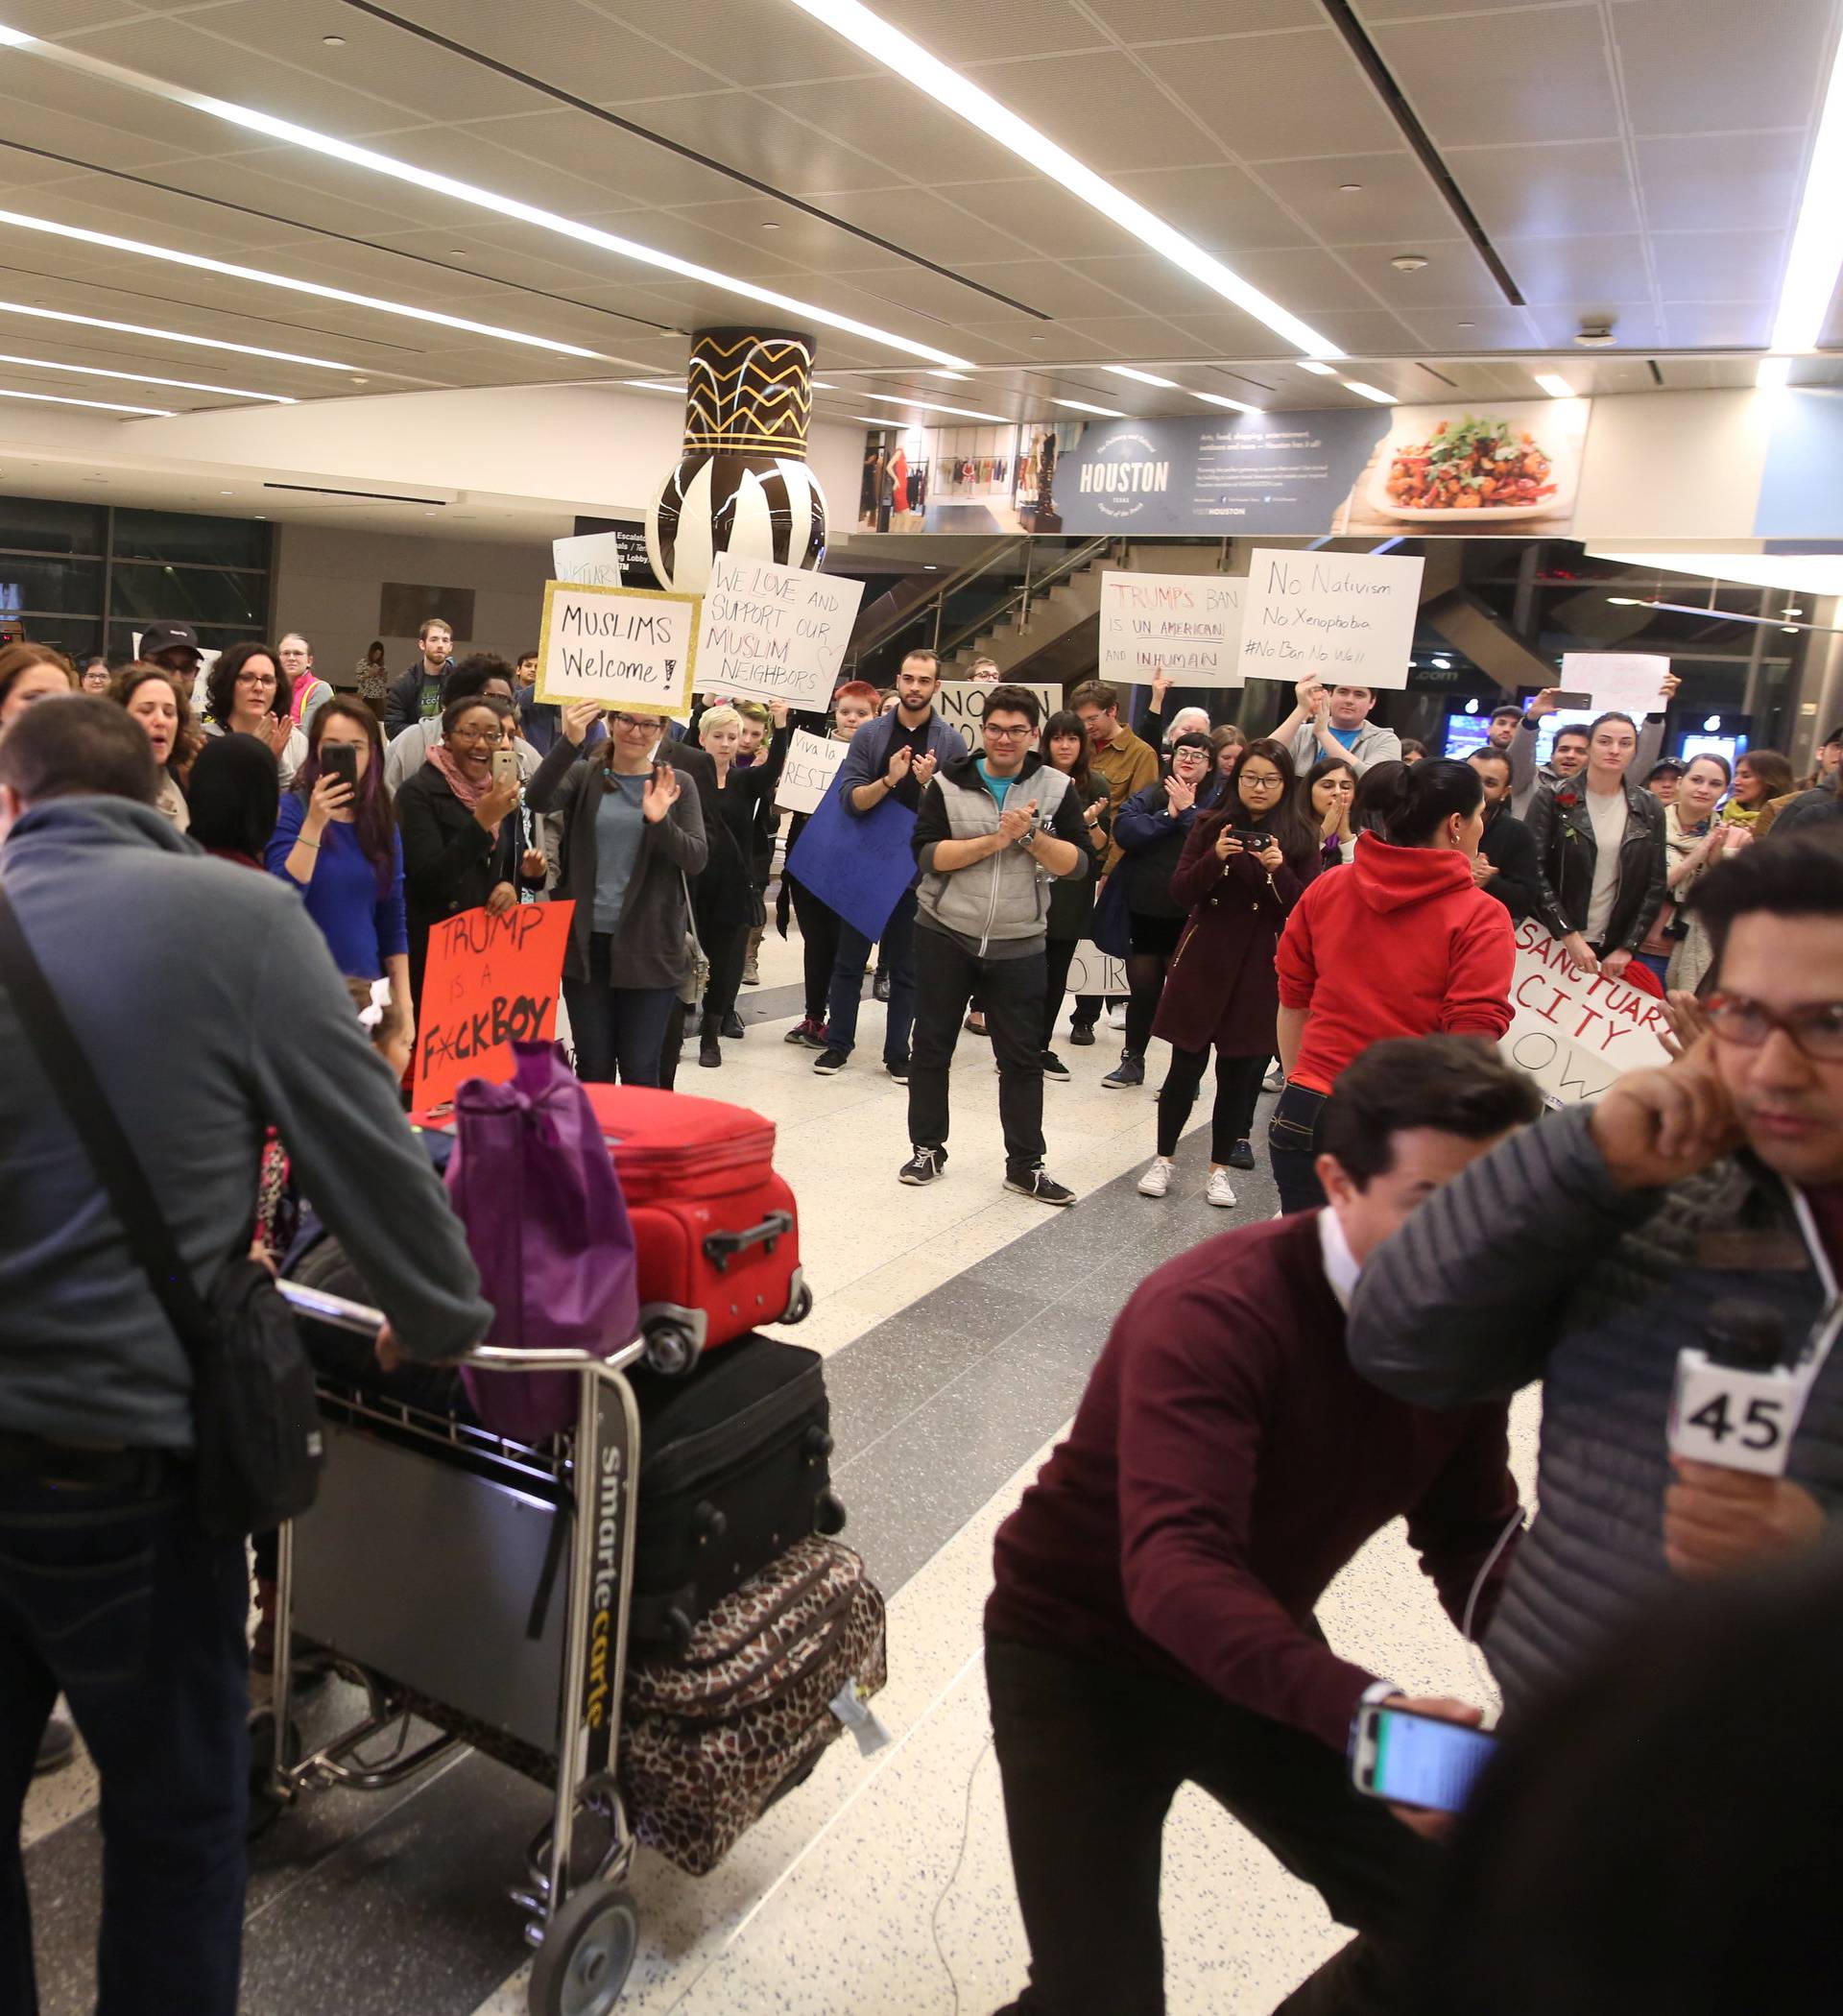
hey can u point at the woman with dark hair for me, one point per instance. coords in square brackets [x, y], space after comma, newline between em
[248, 693]
[28, 674]
[1413, 751]
[729, 903]
[632, 836]
[1680, 950]
[233, 793]
[1330, 794]
[337, 844]
[1151, 829]
[1242, 870]
[1375, 789]
[461, 845]
[854, 704]
[374, 681]
[1761, 776]
[1071, 899]
[153, 696]
[1403, 944]
[93, 676]
[1599, 846]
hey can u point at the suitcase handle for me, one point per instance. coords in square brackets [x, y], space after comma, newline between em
[720, 1248]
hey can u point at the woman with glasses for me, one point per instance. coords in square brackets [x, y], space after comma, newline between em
[93, 676]
[632, 836]
[1242, 870]
[248, 693]
[463, 848]
[1152, 829]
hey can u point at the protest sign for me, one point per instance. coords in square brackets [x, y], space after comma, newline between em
[1094, 971]
[774, 633]
[1616, 681]
[489, 982]
[961, 702]
[858, 865]
[629, 648]
[1574, 1032]
[1187, 625]
[812, 763]
[1348, 616]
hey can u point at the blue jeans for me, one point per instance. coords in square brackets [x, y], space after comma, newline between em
[116, 1597]
[615, 1029]
[847, 983]
[1292, 1147]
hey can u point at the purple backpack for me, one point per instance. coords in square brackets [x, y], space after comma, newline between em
[532, 1180]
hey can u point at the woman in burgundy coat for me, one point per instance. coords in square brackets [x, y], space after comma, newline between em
[1242, 870]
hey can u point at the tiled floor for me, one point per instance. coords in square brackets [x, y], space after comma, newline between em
[959, 1323]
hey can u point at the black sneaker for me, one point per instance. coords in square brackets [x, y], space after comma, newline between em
[1241, 1155]
[900, 1070]
[923, 1166]
[1081, 1034]
[1055, 1070]
[733, 1027]
[1130, 1070]
[829, 1062]
[880, 987]
[1036, 1182]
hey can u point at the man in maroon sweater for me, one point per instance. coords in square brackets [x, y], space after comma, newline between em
[1152, 1623]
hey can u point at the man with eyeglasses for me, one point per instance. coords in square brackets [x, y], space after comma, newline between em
[1590, 1249]
[993, 832]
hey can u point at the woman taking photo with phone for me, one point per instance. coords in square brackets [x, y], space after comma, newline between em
[337, 843]
[1071, 899]
[1242, 870]
[457, 816]
[633, 835]
[246, 693]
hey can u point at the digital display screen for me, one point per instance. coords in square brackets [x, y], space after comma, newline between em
[1420, 1762]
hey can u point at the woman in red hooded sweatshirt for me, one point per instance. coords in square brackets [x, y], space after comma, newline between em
[1401, 942]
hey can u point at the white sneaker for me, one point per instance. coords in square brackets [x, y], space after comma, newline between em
[1276, 1078]
[1117, 1016]
[1220, 1191]
[1156, 1180]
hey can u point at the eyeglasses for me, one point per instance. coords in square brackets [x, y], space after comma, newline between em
[474, 734]
[1816, 1031]
[1007, 734]
[1252, 780]
[645, 721]
[255, 679]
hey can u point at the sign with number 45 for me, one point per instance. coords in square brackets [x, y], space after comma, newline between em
[1740, 1420]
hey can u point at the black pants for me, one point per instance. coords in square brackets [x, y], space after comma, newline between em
[1148, 959]
[1237, 1087]
[726, 947]
[1059, 955]
[1291, 1147]
[1091, 1758]
[116, 1597]
[819, 927]
[946, 975]
[620, 1032]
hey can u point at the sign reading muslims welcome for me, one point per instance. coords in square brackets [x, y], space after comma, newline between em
[630, 648]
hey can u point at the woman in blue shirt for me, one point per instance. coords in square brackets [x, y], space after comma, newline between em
[339, 848]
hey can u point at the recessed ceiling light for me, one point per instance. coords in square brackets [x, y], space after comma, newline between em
[145, 250]
[334, 41]
[1370, 392]
[771, 226]
[1465, 325]
[287, 132]
[995, 121]
[1039, 339]
[226, 493]
[1215, 398]
[959, 376]
[1409, 262]
[1349, 188]
[1555, 384]
[1140, 378]
[884, 398]
[135, 378]
[1318, 371]
[137, 328]
[1078, 406]
[1816, 257]
[52, 398]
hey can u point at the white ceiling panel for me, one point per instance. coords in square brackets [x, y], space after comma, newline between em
[1711, 70]
[1141, 129]
[1307, 279]
[920, 221]
[1549, 191]
[1249, 92]
[965, 32]
[1455, 276]
[1145, 281]
[882, 119]
[62, 20]
[1719, 266]
[1552, 270]
[1719, 324]
[1392, 200]
[1043, 216]
[1499, 328]
[1224, 209]
[856, 148]
[742, 40]
[1722, 181]
[1525, 77]
[571, 163]
[1636, 324]
[1136, 21]
[1053, 288]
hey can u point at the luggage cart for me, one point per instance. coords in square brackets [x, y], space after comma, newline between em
[512, 1639]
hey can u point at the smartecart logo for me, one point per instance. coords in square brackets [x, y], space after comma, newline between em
[1123, 472]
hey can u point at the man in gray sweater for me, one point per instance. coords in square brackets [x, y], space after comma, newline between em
[204, 997]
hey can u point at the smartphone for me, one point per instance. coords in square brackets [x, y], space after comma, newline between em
[340, 759]
[1251, 837]
[1416, 1759]
[505, 768]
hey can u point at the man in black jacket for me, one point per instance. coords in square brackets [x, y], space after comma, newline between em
[1505, 863]
[417, 695]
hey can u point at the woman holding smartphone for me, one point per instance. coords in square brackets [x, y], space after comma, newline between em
[463, 848]
[632, 836]
[337, 843]
[1242, 870]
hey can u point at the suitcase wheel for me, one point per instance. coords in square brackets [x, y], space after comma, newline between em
[828, 1513]
[586, 1953]
[670, 1348]
[817, 1445]
[800, 1304]
[709, 1522]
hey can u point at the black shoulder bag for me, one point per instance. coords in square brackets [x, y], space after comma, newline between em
[256, 1421]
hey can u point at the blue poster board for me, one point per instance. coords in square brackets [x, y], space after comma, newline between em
[858, 866]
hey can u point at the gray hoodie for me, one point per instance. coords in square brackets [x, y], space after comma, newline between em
[206, 998]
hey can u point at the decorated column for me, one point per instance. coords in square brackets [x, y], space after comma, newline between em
[741, 484]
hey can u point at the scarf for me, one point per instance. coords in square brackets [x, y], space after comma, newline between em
[1733, 813]
[463, 786]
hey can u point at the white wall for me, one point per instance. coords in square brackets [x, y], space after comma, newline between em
[1673, 464]
[327, 584]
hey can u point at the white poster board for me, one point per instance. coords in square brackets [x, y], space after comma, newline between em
[1094, 971]
[774, 633]
[1618, 682]
[1187, 625]
[1348, 616]
[590, 560]
[1574, 1032]
[961, 702]
[812, 763]
[630, 648]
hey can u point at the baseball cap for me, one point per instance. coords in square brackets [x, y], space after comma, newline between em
[167, 636]
[1669, 767]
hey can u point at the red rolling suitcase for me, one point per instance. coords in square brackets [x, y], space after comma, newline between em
[716, 1230]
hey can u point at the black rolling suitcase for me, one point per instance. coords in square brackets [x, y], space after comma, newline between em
[734, 1470]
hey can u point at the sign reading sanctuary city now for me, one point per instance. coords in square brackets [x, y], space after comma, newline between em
[961, 702]
[1348, 616]
[1574, 1032]
[629, 648]
[1188, 626]
[774, 633]
[1616, 681]
[812, 763]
